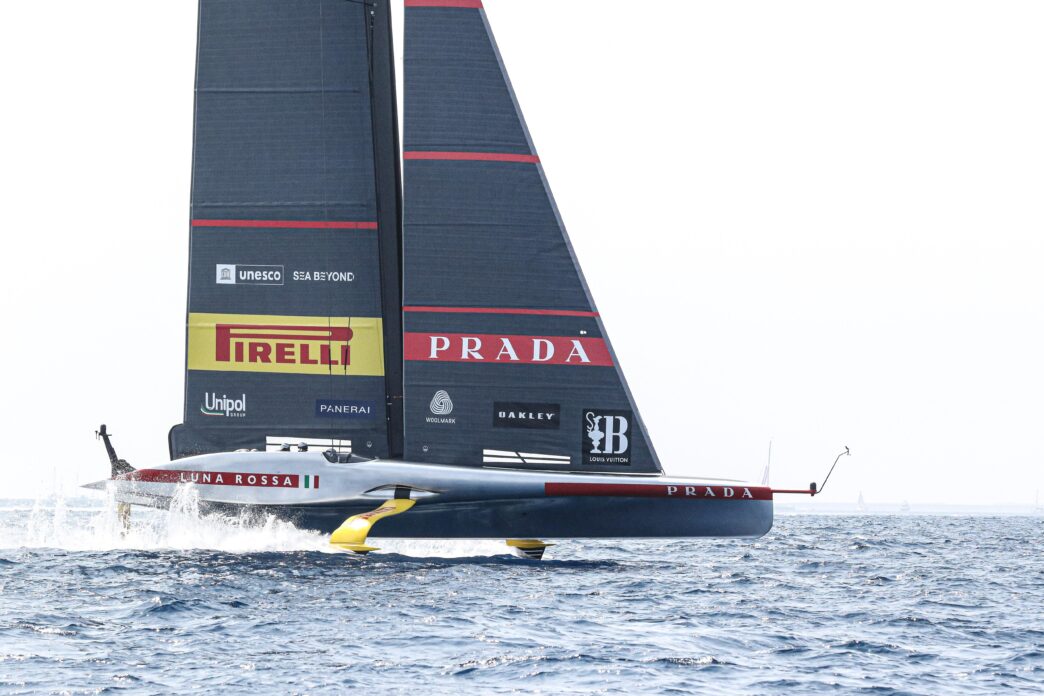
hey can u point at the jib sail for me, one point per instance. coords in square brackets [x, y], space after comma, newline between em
[295, 223]
[507, 363]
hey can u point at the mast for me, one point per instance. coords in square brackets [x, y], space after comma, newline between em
[386, 155]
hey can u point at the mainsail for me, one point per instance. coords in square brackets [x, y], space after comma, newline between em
[507, 362]
[293, 319]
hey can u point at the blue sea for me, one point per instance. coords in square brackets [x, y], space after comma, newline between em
[841, 604]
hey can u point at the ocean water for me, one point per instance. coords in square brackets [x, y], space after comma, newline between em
[840, 604]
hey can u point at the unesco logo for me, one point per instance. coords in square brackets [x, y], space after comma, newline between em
[236, 274]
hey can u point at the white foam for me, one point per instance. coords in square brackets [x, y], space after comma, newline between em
[52, 524]
[441, 548]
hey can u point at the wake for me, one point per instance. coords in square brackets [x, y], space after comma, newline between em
[91, 524]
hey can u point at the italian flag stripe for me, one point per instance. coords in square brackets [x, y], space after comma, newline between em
[306, 480]
[316, 482]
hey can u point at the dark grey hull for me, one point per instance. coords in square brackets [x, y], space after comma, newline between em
[455, 502]
[553, 518]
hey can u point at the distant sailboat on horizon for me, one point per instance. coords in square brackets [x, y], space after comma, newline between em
[768, 467]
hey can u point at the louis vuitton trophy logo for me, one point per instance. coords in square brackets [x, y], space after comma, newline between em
[606, 438]
[593, 432]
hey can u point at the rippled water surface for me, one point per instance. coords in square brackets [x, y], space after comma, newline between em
[925, 605]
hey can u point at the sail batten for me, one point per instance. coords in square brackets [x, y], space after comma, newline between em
[471, 156]
[289, 224]
[501, 310]
[459, 4]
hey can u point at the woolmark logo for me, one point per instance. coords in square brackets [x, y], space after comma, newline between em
[606, 437]
[441, 403]
[234, 274]
[223, 406]
[441, 406]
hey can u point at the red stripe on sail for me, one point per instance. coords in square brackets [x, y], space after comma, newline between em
[288, 224]
[641, 490]
[495, 349]
[468, 4]
[504, 310]
[471, 157]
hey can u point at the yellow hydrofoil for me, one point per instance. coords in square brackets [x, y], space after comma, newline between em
[351, 536]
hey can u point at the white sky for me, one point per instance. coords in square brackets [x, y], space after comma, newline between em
[819, 223]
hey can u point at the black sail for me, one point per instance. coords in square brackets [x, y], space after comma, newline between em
[506, 361]
[293, 308]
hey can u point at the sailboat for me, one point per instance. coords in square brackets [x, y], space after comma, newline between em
[397, 334]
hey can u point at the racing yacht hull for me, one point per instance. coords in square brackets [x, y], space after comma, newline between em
[455, 502]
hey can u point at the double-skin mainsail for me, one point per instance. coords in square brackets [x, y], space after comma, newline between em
[294, 302]
[484, 349]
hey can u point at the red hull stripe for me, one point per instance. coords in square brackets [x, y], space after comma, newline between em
[495, 310]
[468, 4]
[288, 224]
[472, 157]
[214, 478]
[641, 490]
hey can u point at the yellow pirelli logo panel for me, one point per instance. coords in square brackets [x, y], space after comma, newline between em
[289, 345]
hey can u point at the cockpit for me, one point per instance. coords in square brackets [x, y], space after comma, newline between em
[339, 457]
